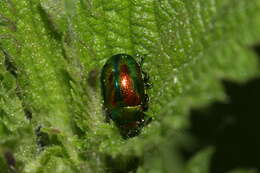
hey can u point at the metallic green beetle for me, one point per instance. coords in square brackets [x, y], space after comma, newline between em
[124, 85]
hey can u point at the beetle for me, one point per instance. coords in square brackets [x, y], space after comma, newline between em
[124, 86]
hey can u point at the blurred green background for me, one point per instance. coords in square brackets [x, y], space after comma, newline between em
[203, 60]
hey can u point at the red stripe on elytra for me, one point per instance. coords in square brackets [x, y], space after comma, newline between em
[129, 95]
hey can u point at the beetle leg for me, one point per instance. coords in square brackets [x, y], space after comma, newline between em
[146, 76]
[107, 114]
[146, 79]
[147, 119]
[146, 100]
[148, 85]
[141, 59]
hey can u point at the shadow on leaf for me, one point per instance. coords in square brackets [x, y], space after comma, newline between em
[233, 127]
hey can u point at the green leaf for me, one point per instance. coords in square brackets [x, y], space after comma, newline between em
[51, 117]
[200, 162]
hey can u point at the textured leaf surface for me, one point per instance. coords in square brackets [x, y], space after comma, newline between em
[51, 54]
